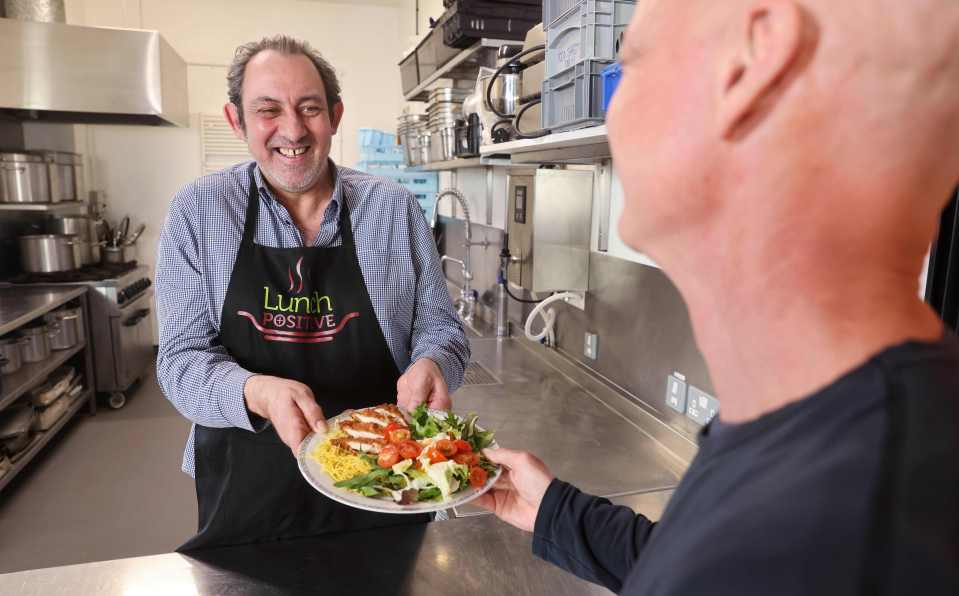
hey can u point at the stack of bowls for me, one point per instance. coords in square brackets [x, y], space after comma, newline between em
[445, 107]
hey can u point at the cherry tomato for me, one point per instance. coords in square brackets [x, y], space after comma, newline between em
[399, 435]
[390, 427]
[389, 455]
[410, 449]
[446, 447]
[436, 457]
[465, 459]
[477, 477]
[462, 446]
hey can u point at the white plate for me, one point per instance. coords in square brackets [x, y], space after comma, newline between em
[321, 481]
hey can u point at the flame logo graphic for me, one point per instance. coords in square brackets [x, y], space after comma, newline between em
[299, 276]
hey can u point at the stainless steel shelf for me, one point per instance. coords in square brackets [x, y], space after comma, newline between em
[586, 145]
[21, 304]
[463, 66]
[32, 374]
[468, 162]
[42, 438]
[64, 207]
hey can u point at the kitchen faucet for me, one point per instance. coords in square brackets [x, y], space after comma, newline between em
[466, 304]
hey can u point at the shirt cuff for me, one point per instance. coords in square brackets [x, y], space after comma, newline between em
[233, 404]
[450, 367]
[543, 526]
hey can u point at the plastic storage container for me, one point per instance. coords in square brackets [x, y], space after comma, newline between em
[587, 30]
[574, 98]
[391, 155]
[611, 76]
[556, 9]
[466, 21]
[416, 182]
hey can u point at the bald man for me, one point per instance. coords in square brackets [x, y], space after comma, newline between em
[786, 161]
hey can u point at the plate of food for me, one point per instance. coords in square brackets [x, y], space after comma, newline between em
[381, 459]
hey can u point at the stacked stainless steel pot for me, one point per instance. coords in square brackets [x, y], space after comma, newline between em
[444, 109]
[66, 327]
[84, 229]
[50, 253]
[40, 177]
[414, 135]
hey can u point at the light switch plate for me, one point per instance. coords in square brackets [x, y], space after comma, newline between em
[676, 392]
[701, 406]
[591, 346]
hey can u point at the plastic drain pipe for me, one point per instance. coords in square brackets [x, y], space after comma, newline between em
[549, 317]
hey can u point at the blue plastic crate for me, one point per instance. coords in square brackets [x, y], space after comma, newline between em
[417, 182]
[382, 155]
[373, 137]
[611, 76]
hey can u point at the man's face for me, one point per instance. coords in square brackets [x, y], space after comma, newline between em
[288, 125]
[660, 121]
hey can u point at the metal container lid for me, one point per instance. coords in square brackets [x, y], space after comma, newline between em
[25, 157]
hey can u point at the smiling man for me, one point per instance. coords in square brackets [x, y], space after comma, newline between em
[290, 289]
[786, 162]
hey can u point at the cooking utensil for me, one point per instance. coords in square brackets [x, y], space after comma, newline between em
[49, 253]
[67, 325]
[136, 235]
[24, 178]
[11, 349]
[124, 229]
[36, 347]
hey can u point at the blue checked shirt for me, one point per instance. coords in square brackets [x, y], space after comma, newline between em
[198, 246]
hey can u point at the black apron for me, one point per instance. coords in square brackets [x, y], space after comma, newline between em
[302, 314]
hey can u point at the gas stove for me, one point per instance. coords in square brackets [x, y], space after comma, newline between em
[117, 282]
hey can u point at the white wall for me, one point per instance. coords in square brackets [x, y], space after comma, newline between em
[139, 168]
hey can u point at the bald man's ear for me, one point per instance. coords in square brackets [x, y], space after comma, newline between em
[763, 53]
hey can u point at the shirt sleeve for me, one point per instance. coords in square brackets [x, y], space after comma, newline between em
[437, 331]
[589, 536]
[194, 370]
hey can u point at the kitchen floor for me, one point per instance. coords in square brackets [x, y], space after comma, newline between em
[107, 487]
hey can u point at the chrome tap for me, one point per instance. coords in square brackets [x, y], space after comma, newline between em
[466, 304]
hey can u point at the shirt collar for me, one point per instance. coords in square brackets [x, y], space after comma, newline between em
[338, 190]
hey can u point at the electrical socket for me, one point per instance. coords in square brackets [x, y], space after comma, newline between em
[591, 346]
[701, 406]
[676, 392]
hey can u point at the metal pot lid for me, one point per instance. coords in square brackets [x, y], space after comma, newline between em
[25, 157]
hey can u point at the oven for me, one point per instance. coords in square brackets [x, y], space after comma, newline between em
[131, 344]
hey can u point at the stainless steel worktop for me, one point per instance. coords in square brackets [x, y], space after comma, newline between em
[479, 555]
[19, 305]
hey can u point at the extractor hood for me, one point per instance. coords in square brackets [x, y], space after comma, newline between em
[90, 75]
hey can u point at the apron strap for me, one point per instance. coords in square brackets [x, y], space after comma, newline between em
[252, 210]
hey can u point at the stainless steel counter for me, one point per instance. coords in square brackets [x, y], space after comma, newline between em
[19, 305]
[479, 555]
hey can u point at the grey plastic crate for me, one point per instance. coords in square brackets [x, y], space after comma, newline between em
[574, 98]
[553, 10]
[590, 30]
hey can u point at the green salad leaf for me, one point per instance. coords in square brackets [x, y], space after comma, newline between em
[424, 425]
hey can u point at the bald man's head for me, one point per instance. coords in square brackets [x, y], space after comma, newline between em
[816, 109]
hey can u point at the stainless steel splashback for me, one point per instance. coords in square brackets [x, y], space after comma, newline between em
[68, 73]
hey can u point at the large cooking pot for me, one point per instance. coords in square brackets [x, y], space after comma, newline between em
[24, 178]
[63, 169]
[67, 327]
[84, 228]
[11, 351]
[36, 345]
[50, 253]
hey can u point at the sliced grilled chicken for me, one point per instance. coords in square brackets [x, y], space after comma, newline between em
[362, 430]
[371, 416]
[359, 445]
[393, 413]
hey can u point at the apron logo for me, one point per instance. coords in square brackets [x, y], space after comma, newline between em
[297, 319]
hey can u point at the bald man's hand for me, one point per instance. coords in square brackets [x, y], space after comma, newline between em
[520, 490]
[423, 382]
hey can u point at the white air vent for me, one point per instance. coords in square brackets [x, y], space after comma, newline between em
[221, 148]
